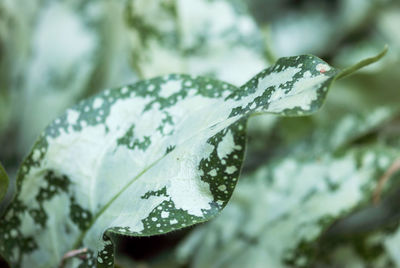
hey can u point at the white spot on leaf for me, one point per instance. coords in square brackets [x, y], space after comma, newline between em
[72, 116]
[170, 87]
[164, 214]
[230, 169]
[226, 146]
[97, 103]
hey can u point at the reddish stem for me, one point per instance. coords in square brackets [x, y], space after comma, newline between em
[385, 177]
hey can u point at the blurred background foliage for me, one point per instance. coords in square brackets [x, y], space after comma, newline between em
[317, 191]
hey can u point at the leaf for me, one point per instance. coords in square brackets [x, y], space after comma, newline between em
[313, 135]
[347, 256]
[195, 35]
[4, 182]
[278, 214]
[145, 159]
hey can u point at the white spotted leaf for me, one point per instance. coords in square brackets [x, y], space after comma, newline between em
[144, 159]
[284, 208]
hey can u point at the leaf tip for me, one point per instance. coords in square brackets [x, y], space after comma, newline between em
[361, 64]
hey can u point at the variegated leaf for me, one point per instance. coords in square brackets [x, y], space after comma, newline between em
[4, 181]
[190, 36]
[144, 159]
[279, 213]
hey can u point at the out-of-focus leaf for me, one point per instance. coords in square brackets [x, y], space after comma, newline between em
[43, 75]
[314, 135]
[348, 256]
[314, 26]
[283, 209]
[145, 159]
[214, 38]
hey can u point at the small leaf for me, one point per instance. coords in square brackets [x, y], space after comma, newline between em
[4, 182]
[145, 159]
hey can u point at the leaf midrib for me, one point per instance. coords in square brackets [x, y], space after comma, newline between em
[78, 242]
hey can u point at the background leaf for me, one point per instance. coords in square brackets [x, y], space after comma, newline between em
[282, 214]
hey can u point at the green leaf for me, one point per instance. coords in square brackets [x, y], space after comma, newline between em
[145, 159]
[4, 182]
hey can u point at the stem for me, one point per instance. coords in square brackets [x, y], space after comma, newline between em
[385, 177]
[350, 70]
[71, 254]
[268, 52]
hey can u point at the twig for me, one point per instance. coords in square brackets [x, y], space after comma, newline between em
[385, 177]
[268, 51]
[71, 254]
